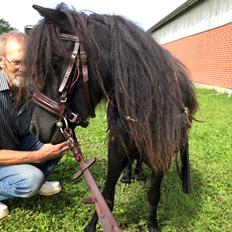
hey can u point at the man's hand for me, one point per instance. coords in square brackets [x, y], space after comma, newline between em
[49, 151]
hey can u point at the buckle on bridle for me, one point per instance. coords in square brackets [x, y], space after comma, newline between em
[74, 118]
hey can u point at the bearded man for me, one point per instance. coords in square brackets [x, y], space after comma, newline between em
[25, 162]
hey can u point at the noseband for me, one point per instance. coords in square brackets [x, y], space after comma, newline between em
[78, 63]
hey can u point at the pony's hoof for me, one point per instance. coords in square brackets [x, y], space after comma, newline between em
[141, 177]
[125, 180]
[89, 228]
[152, 229]
[186, 189]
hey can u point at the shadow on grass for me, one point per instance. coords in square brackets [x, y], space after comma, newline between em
[175, 210]
[131, 205]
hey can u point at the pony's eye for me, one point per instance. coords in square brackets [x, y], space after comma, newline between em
[58, 64]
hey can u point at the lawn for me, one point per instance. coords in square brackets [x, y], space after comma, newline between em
[208, 208]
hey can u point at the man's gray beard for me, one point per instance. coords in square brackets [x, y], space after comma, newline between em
[17, 82]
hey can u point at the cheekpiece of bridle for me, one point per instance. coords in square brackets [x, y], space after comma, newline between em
[78, 65]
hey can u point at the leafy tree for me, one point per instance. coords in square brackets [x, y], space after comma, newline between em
[5, 26]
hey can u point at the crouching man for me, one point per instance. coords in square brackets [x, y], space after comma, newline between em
[25, 162]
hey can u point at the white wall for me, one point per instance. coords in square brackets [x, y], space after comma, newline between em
[207, 15]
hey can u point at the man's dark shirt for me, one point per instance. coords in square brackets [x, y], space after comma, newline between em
[14, 120]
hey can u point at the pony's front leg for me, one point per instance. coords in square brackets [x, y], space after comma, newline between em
[139, 170]
[126, 178]
[117, 161]
[153, 199]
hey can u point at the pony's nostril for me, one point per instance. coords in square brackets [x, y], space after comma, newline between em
[33, 129]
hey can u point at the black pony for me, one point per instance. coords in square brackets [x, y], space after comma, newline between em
[151, 99]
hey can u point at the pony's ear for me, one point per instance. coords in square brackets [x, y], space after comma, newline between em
[51, 15]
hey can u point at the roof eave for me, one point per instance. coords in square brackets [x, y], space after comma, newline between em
[179, 10]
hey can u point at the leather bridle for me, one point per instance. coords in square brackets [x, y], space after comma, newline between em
[78, 65]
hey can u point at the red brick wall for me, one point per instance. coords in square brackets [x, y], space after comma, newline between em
[208, 55]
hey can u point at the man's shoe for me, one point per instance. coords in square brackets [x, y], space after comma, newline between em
[3, 210]
[50, 188]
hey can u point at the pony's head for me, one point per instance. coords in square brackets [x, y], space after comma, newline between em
[50, 60]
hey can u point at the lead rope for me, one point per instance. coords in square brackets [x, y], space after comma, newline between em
[104, 214]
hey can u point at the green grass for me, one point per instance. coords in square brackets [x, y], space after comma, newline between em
[208, 208]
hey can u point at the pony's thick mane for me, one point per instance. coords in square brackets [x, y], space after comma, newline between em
[150, 88]
[153, 89]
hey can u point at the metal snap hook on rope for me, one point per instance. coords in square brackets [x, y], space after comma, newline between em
[62, 125]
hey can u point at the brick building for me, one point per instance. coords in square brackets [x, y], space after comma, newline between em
[199, 33]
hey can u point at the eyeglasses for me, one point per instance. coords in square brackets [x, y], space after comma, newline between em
[15, 63]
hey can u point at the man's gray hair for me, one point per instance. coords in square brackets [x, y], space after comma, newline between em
[14, 35]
